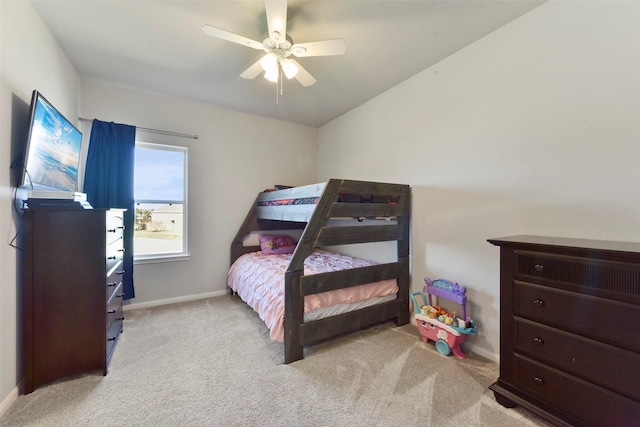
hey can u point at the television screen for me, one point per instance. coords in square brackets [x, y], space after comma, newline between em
[53, 149]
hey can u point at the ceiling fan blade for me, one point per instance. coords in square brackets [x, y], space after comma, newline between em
[303, 75]
[253, 71]
[235, 38]
[320, 48]
[277, 19]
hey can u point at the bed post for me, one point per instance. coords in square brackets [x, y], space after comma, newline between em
[404, 281]
[293, 318]
[293, 299]
[249, 224]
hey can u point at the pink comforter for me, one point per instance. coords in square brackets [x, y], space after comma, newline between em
[259, 281]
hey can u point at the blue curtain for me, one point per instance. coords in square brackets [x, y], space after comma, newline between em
[108, 181]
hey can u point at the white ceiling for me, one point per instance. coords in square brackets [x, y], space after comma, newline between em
[159, 46]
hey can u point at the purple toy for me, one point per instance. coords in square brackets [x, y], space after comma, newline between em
[447, 289]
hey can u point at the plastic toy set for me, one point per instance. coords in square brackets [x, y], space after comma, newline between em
[436, 324]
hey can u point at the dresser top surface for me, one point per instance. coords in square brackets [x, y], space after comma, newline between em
[526, 241]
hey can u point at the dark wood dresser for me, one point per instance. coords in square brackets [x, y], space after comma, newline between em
[570, 329]
[72, 295]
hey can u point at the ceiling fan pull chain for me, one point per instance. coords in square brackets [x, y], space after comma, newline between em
[280, 79]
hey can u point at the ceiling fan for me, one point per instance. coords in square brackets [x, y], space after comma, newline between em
[279, 47]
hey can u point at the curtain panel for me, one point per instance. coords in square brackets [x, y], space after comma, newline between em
[108, 181]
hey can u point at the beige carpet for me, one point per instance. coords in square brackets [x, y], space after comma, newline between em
[211, 363]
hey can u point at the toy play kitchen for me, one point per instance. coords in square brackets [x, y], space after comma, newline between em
[436, 324]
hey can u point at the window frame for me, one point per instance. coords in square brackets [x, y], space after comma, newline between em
[184, 254]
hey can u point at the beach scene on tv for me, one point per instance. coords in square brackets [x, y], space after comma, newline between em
[54, 150]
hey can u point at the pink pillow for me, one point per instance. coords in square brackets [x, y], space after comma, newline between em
[271, 244]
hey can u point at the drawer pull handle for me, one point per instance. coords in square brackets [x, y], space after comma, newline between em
[111, 257]
[121, 272]
[121, 250]
[538, 340]
[111, 311]
[539, 380]
[111, 339]
[120, 295]
[538, 303]
[120, 318]
[111, 230]
[112, 284]
[539, 267]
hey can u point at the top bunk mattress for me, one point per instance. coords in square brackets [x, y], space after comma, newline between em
[259, 280]
[291, 204]
[297, 204]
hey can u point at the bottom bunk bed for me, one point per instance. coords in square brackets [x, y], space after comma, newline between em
[305, 293]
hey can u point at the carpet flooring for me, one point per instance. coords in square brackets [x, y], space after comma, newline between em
[211, 363]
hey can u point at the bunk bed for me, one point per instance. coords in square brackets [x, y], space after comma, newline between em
[337, 212]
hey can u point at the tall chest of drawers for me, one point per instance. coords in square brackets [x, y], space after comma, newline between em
[570, 329]
[72, 295]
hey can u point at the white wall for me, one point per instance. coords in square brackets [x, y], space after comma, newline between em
[534, 129]
[31, 59]
[236, 156]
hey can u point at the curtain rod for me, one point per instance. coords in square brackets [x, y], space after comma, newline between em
[163, 132]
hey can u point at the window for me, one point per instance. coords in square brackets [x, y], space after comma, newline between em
[160, 192]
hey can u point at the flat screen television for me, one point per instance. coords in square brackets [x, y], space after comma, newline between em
[53, 149]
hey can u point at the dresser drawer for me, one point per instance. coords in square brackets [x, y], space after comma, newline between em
[115, 225]
[113, 331]
[114, 255]
[592, 404]
[114, 314]
[114, 304]
[609, 366]
[114, 279]
[612, 322]
[609, 279]
[111, 288]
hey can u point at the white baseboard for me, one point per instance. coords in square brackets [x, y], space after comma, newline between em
[8, 401]
[494, 357]
[156, 303]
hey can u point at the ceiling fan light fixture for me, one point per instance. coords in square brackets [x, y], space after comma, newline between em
[272, 74]
[290, 69]
[269, 62]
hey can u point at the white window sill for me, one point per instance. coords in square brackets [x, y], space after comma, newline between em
[153, 259]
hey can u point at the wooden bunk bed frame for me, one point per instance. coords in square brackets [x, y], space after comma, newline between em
[336, 200]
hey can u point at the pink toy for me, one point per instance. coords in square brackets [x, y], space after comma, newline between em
[448, 337]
